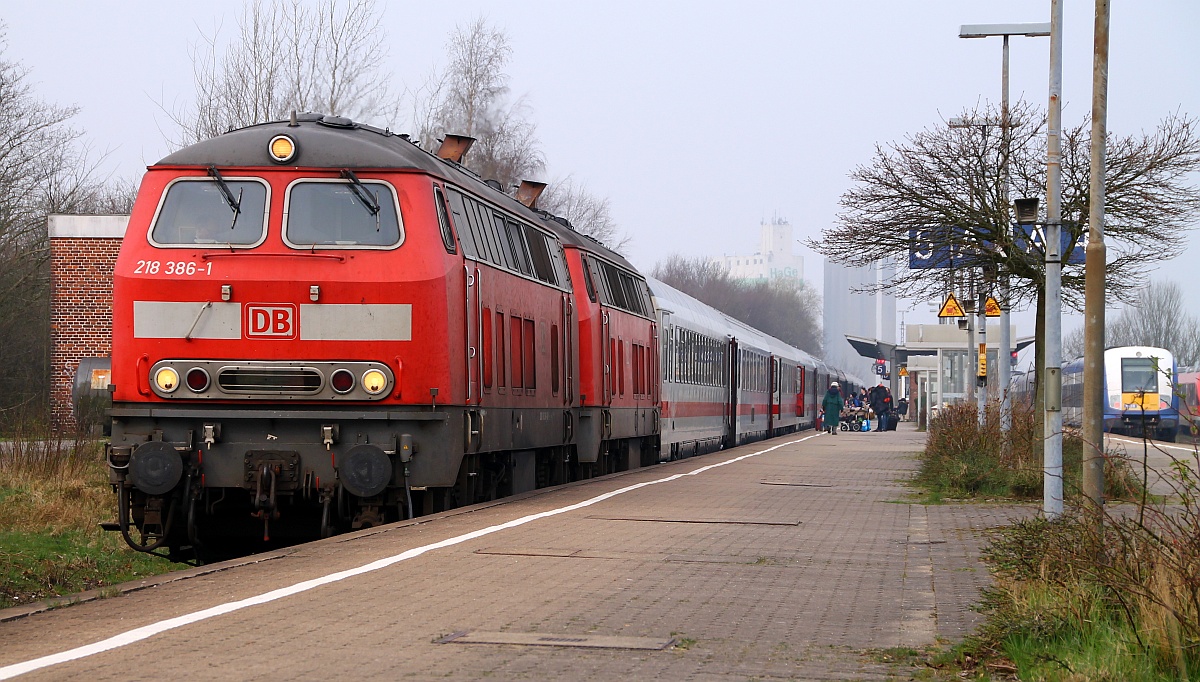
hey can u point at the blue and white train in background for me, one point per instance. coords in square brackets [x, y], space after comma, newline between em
[1139, 392]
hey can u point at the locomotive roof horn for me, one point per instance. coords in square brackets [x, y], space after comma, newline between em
[455, 147]
[529, 191]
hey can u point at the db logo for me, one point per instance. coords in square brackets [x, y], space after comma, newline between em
[277, 321]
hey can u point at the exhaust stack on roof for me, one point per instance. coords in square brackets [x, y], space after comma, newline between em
[455, 147]
[529, 191]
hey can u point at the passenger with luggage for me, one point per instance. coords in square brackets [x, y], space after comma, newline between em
[832, 404]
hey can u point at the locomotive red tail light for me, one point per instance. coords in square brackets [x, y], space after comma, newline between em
[342, 381]
[197, 380]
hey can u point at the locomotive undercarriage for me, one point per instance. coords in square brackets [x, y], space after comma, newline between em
[212, 483]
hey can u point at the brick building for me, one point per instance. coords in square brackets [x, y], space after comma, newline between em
[83, 251]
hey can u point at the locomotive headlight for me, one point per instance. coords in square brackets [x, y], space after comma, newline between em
[282, 148]
[166, 379]
[374, 381]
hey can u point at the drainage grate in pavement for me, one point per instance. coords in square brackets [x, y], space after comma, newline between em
[701, 519]
[537, 639]
[798, 485]
[528, 551]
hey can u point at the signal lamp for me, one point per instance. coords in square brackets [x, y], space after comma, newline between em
[342, 381]
[197, 380]
[374, 381]
[166, 379]
[282, 148]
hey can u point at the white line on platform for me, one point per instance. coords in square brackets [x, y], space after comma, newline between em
[147, 631]
[1153, 444]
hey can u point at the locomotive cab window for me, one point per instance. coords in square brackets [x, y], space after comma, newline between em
[341, 214]
[198, 211]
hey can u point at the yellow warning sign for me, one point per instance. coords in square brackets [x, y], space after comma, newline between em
[992, 307]
[951, 308]
[903, 371]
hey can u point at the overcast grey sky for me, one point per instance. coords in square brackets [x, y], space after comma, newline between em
[696, 119]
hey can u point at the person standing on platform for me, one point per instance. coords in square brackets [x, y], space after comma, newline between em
[879, 405]
[832, 404]
[902, 409]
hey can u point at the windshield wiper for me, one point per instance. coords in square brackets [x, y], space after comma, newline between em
[235, 204]
[360, 190]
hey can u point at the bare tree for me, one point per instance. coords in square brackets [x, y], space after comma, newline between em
[45, 167]
[787, 310]
[470, 98]
[587, 213]
[1160, 318]
[288, 55]
[947, 182]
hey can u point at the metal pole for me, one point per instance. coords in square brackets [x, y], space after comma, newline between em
[1052, 494]
[981, 357]
[1096, 257]
[968, 369]
[1004, 343]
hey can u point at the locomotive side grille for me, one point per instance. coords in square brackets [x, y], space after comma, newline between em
[270, 380]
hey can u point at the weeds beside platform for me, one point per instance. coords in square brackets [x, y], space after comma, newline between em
[1110, 594]
[54, 493]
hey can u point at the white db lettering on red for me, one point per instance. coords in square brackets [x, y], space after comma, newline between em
[272, 321]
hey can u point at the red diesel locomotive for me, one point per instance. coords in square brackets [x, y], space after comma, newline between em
[320, 326]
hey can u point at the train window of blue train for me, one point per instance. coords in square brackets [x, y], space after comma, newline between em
[197, 212]
[331, 214]
[1138, 375]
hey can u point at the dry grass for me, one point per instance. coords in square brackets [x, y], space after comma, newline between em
[53, 485]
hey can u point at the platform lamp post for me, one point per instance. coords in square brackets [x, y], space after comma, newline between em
[1004, 343]
[1050, 376]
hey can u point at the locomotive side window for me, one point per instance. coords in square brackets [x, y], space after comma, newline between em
[516, 347]
[197, 211]
[539, 251]
[555, 359]
[466, 233]
[444, 221]
[487, 347]
[501, 382]
[529, 359]
[334, 213]
[514, 243]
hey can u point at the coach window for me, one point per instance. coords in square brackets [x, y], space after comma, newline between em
[587, 279]
[204, 211]
[444, 221]
[341, 214]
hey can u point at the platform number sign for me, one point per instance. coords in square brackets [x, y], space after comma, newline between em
[881, 367]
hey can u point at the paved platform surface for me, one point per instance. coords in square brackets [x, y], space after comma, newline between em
[802, 562]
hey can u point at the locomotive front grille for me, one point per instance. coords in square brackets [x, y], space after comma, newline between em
[189, 379]
[270, 380]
